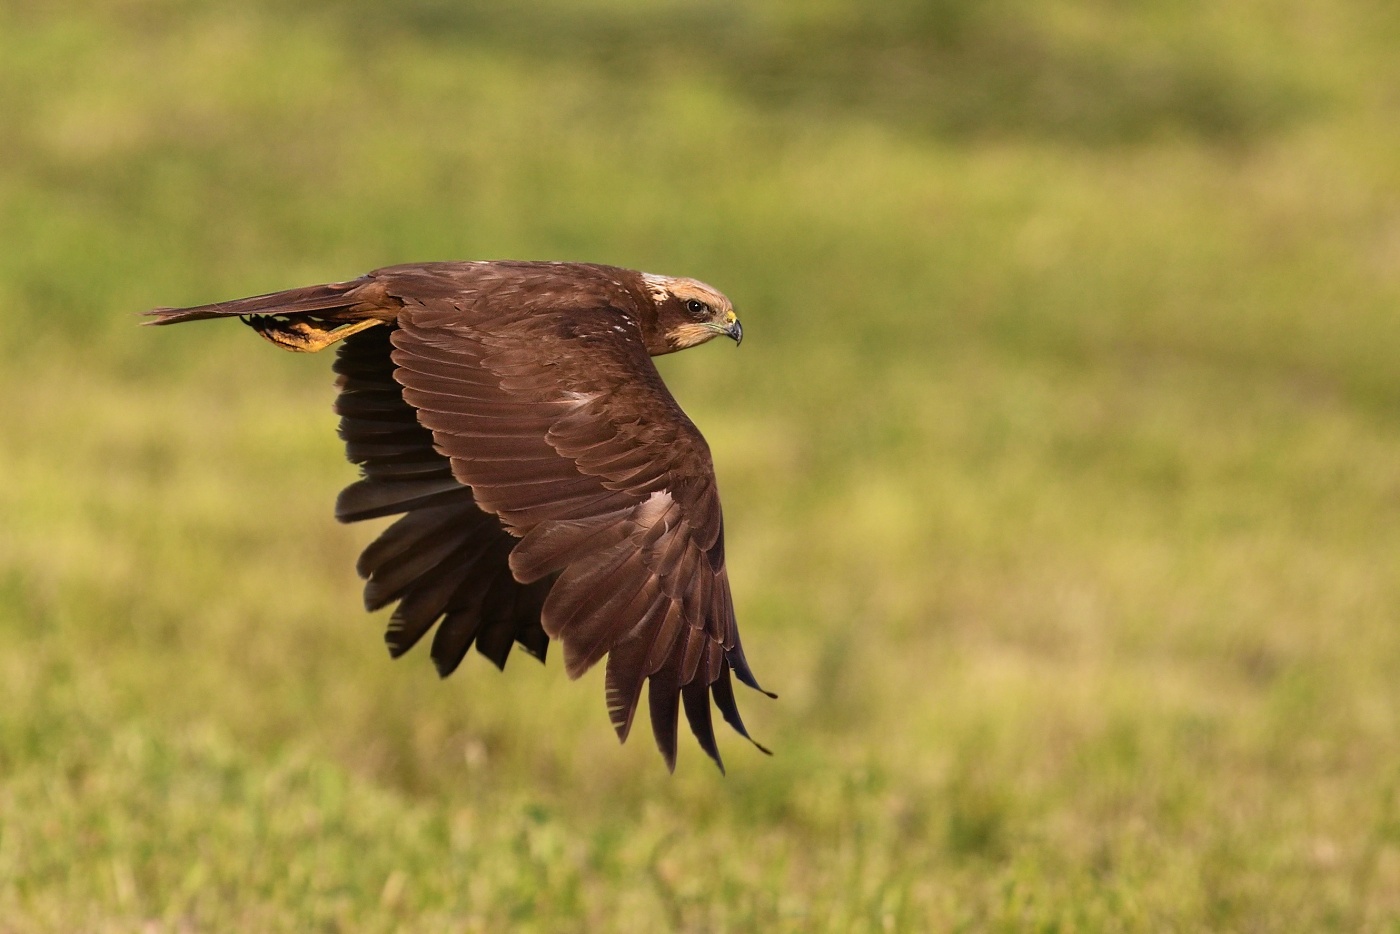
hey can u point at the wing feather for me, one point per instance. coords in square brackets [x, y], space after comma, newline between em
[445, 559]
[663, 701]
[696, 700]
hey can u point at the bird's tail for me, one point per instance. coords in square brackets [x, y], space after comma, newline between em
[312, 298]
[305, 319]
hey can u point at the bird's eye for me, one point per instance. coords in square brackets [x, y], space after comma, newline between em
[696, 307]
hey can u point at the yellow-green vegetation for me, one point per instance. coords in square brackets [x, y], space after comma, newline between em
[1061, 464]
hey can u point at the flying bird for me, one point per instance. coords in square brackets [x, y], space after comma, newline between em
[549, 485]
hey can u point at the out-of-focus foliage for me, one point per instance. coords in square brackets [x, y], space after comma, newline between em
[1085, 73]
[1059, 464]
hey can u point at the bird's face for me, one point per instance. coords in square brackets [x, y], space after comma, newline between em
[689, 313]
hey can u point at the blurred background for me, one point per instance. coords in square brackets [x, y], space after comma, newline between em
[1061, 464]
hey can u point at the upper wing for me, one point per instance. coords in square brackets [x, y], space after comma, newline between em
[560, 424]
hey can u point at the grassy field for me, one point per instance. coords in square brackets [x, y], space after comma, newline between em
[1061, 465]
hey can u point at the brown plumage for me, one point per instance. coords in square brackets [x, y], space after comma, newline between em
[549, 485]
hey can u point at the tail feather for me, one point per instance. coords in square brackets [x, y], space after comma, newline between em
[312, 298]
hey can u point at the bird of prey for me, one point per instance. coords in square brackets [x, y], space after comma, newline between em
[550, 486]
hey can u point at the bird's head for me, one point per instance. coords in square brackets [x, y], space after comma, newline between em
[688, 312]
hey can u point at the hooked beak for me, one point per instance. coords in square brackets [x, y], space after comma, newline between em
[731, 327]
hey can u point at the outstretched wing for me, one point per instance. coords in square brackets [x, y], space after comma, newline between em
[445, 559]
[556, 418]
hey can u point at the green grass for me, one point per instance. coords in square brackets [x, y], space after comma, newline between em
[1061, 465]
